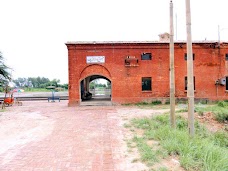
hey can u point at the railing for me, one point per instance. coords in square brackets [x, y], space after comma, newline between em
[36, 98]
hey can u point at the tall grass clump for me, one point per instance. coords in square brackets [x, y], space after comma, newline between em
[153, 103]
[220, 111]
[222, 104]
[141, 103]
[156, 102]
[220, 138]
[204, 151]
[147, 154]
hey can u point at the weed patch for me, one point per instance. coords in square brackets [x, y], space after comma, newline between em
[220, 111]
[157, 102]
[148, 155]
[204, 151]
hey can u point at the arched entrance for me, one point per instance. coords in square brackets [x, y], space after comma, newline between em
[95, 90]
[95, 86]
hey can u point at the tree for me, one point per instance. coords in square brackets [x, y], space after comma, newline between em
[65, 86]
[55, 82]
[92, 85]
[34, 81]
[108, 85]
[38, 82]
[5, 76]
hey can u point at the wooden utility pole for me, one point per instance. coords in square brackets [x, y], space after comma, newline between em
[190, 86]
[172, 75]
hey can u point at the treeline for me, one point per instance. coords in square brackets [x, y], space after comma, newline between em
[94, 84]
[38, 82]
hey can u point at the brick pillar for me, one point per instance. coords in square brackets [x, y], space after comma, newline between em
[74, 97]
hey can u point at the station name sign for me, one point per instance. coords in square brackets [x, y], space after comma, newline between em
[95, 59]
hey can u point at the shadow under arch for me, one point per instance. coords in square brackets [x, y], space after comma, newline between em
[95, 76]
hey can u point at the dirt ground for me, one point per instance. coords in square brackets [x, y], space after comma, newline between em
[208, 120]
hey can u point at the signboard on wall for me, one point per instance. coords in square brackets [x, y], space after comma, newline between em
[95, 59]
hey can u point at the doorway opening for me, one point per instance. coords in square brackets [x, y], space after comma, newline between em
[95, 89]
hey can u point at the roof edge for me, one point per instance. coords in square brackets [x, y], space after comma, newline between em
[135, 42]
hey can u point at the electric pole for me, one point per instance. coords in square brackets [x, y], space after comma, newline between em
[172, 77]
[218, 36]
[190, 86]
[176, 26]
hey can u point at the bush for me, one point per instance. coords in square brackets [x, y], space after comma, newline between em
[221, 139]
[221, 116]
[181, 124]
[157, 102]
[142, 103]
[200, 112]
[222, 104]
[220, 111]
[167, 102]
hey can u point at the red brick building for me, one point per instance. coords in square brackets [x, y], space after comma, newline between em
[139, 71]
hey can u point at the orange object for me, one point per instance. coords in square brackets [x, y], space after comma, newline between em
[9, 100]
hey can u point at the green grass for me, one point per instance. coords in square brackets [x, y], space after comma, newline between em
[222, 104]
[162, 169]
[157, 102]
[127, 104]
[142, 103]
[182, 110]
[36, 90]
[154, 104]
[221, 138]
[204, 151]
[148, 155]
[220, 110]
[2, 110]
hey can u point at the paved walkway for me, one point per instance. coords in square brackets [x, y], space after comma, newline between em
[41, 136]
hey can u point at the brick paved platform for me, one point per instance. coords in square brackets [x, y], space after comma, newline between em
[42, 136]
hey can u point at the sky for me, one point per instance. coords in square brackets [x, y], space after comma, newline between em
[33, 33]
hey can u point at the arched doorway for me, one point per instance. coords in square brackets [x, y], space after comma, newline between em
[95, 90]
[89, 74]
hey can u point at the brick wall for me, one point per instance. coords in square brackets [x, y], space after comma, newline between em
[126, 81]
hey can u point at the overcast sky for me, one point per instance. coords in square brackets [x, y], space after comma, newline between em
[33, 33]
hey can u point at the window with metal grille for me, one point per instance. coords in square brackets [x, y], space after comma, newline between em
[186, 83]
[186, 56]
[226, 57]
[146, 84]
[227, 83]
[146, 56]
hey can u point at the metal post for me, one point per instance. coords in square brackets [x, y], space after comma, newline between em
[190, 85]
[172, 77]
[53, 96]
